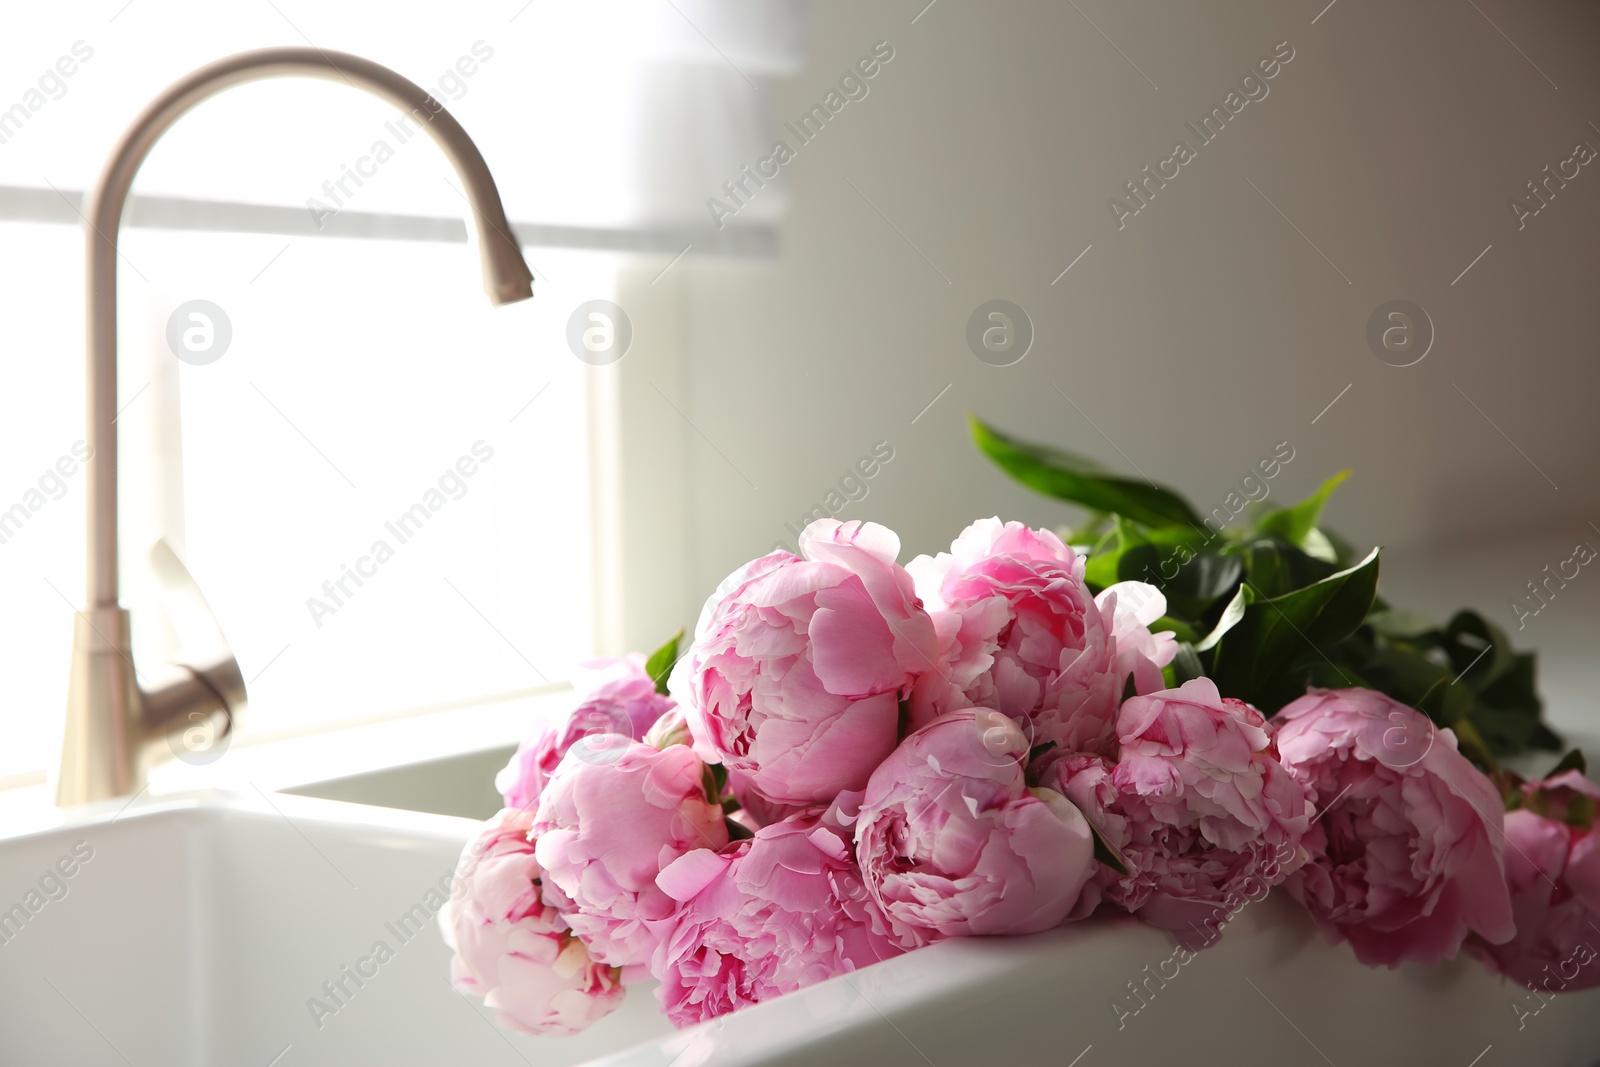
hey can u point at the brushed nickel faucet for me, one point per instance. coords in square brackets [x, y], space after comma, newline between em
[114, 720]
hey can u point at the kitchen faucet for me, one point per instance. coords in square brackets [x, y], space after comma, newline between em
[113, 719]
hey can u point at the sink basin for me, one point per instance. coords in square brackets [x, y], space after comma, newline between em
[201, 930]
[198, 929]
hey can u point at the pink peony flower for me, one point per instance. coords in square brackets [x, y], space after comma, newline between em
[1406, 853]
[618, 697]
[1553, 873]
[1023, 635]
[513, 950]
[755, 810]
[766, 916]
[952, 841]
[798, 669]
[605, 828]
[1199, 808]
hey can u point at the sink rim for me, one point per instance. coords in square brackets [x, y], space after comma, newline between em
[225, 803]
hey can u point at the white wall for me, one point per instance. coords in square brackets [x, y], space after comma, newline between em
[1206, 331]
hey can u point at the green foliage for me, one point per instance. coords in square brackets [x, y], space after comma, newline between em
[1107, 853]
[1282, 603]
[1079, 481]
[1297, 524]
[1572, 761]
[1272, 646]
[659, 665]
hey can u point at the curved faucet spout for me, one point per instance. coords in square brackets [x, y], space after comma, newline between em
[506, 274]
[110, 720]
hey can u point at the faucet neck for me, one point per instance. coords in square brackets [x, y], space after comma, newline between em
[113, 718]
[506, 274]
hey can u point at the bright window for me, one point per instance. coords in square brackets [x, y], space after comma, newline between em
[383, 486]
[391, 494]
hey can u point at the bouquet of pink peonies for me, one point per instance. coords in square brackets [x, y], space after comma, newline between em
[855, 758]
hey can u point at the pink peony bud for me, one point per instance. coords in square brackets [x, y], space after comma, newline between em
[952, 841]
[513, 950]
[1197, 805]
[617, 697]
[764, 917]
[1406, 853]
[1022, 634]
[798, 668]
[614, 813]
[1553, 873]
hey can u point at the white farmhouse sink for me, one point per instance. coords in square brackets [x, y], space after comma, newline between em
[200, 927]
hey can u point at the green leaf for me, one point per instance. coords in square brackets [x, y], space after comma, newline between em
[1473, 745]
[1572, 761]
[659, 665]
[1275, 567]
[1181, 631]
[1086, 532]
[1296, 523]
[1194, 586]
[1402, 624]
[1319, 545]
[1508, 711]
[1185, 666]
[1105, 558]
[1079, 481]
[1580, 812]
[1107, 853]
[1231, 617]
[1256, 658]
[1485, 656]
[738, 831]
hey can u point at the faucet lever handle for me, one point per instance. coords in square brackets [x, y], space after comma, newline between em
[190, 695]
[207, 679]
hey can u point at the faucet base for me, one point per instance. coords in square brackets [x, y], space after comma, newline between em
[99, 755]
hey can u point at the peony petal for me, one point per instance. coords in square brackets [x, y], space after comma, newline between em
[686, 876]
